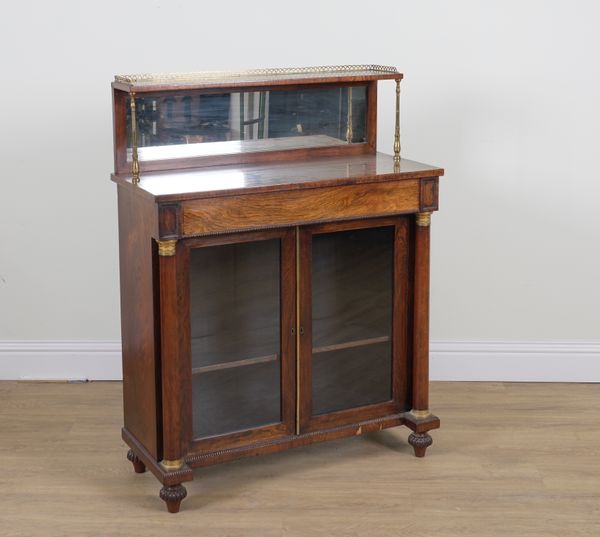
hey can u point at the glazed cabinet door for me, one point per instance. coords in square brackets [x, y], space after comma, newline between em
[353, 321]
[241, 340]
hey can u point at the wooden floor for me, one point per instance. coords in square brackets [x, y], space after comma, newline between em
[513, 460]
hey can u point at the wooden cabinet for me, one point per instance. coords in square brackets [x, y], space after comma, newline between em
[274, 267]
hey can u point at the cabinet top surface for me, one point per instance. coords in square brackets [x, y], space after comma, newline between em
[213, 181]
[254, 77]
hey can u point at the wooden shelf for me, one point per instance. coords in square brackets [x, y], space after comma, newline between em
[351, 344]
[273, 357]
[234, 147]
[236, 363]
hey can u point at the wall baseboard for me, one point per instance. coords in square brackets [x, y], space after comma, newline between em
[60, 360]
[518, 361]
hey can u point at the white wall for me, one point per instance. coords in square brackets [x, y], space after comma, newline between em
[503, 94]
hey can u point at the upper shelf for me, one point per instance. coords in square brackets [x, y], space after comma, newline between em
[255, 77]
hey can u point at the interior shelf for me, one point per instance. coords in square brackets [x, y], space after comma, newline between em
[231, 346]
[351, 344]
[273, 357]
[236, 363]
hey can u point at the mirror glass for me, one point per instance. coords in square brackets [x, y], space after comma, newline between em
[199, 124]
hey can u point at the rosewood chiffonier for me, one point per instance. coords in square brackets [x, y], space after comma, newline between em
[274, 266]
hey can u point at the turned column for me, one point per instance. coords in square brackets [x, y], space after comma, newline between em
[171, 370]
[420, 366]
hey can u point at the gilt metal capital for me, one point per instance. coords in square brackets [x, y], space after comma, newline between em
[167, 248]
[423, 219]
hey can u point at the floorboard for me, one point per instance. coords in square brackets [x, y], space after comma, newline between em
[510, 459]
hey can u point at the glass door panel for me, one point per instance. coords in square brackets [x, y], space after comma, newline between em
[352, 306]
[235, 304]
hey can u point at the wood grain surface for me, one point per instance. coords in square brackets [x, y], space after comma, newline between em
[216, 181]
[298, 207]
[511, 460]
[420, 332]
[138, 261]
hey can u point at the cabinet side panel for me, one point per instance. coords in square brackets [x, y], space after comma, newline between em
[119, 130]
[141, 405]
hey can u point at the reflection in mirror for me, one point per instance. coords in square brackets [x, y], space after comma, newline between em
[195, 124]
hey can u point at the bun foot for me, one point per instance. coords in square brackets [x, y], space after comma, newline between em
[420, 442]
[138, 465]
[172, 496]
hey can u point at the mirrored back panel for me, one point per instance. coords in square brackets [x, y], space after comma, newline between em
[196, 124]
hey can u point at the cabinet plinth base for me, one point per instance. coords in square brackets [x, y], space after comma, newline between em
[173, 496]
[420, 442]
[173, 492]
[138, 466]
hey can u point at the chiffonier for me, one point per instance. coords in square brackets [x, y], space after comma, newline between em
[274, 266]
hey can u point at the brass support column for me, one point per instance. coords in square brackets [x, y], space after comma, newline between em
[349, 132]
[170, 356]
[397, 129]
[420, 368]
[135, 164]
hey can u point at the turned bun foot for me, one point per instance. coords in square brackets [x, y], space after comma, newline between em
[172, 496]
[420, 442]
[138, 465]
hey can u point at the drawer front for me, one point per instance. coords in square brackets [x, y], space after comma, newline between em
[274, 209]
